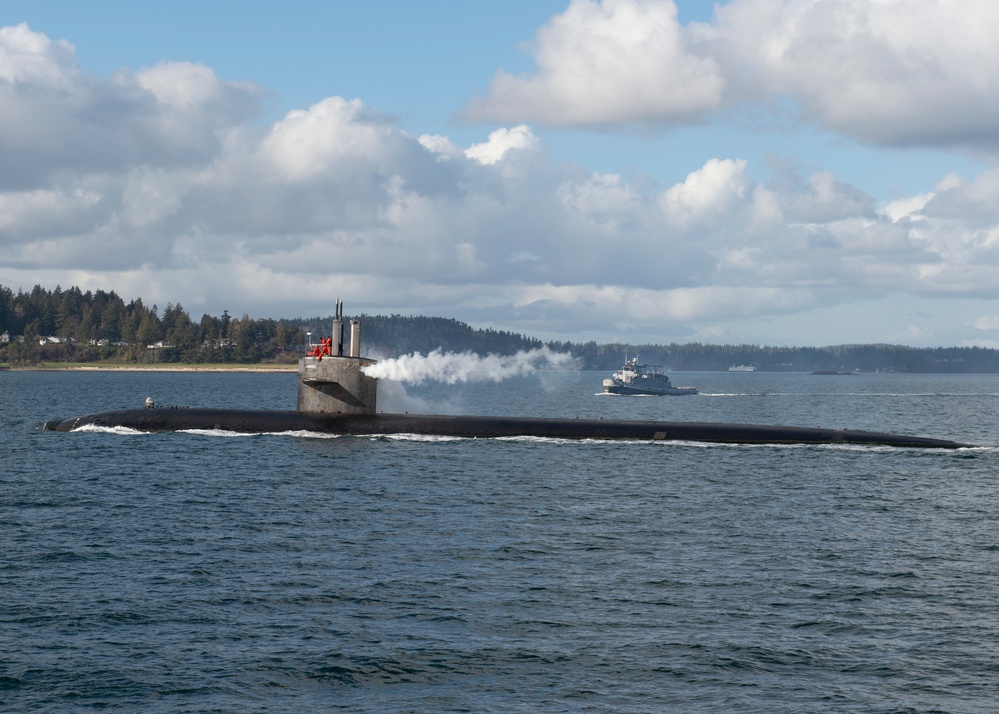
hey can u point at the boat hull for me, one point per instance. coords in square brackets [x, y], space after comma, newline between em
[627, 390]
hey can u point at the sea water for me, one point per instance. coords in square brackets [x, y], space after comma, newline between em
[259, 573]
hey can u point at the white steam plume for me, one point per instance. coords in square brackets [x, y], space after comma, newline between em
[452, 367]
[392, 397]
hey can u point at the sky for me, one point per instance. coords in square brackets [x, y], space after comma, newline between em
[771, 172]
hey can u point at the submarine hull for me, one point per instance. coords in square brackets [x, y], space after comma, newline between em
[264, 421]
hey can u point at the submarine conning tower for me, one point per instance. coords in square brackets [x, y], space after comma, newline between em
[330, 381]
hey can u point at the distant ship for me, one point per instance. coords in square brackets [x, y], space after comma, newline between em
[742, 368]
[636, 378]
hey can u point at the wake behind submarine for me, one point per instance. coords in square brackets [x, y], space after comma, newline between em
[335, 396]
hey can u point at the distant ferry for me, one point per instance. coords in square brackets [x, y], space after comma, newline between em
[742, 368]
[636, 378]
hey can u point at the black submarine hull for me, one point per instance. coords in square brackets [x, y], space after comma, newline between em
[264, 421]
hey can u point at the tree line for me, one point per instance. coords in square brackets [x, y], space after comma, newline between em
[394, 335]
[101, 326]
[696, 356]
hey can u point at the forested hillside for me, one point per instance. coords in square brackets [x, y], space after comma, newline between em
[74, 326]
[90, 326]
[395, 335]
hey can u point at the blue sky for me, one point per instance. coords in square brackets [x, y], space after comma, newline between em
[639, 170]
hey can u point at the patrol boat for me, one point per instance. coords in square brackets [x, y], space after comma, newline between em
[635, 378]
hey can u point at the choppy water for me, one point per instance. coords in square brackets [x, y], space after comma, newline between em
[211, 572]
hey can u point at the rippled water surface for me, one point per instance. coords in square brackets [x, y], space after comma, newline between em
[214, 572]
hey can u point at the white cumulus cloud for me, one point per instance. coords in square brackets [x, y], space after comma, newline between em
[894, 73]
[607, 63]
[501, 142]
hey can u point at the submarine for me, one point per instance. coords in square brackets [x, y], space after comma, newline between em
[335, 396]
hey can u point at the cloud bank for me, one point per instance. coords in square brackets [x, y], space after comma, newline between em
[162, 183]
[885, 72]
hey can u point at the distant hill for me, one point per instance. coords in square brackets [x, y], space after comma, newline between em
[394, 335]
[100, 326]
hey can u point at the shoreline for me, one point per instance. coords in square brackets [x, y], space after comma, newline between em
[282, 368]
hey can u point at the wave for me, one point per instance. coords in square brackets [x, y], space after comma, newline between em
[120, 430]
